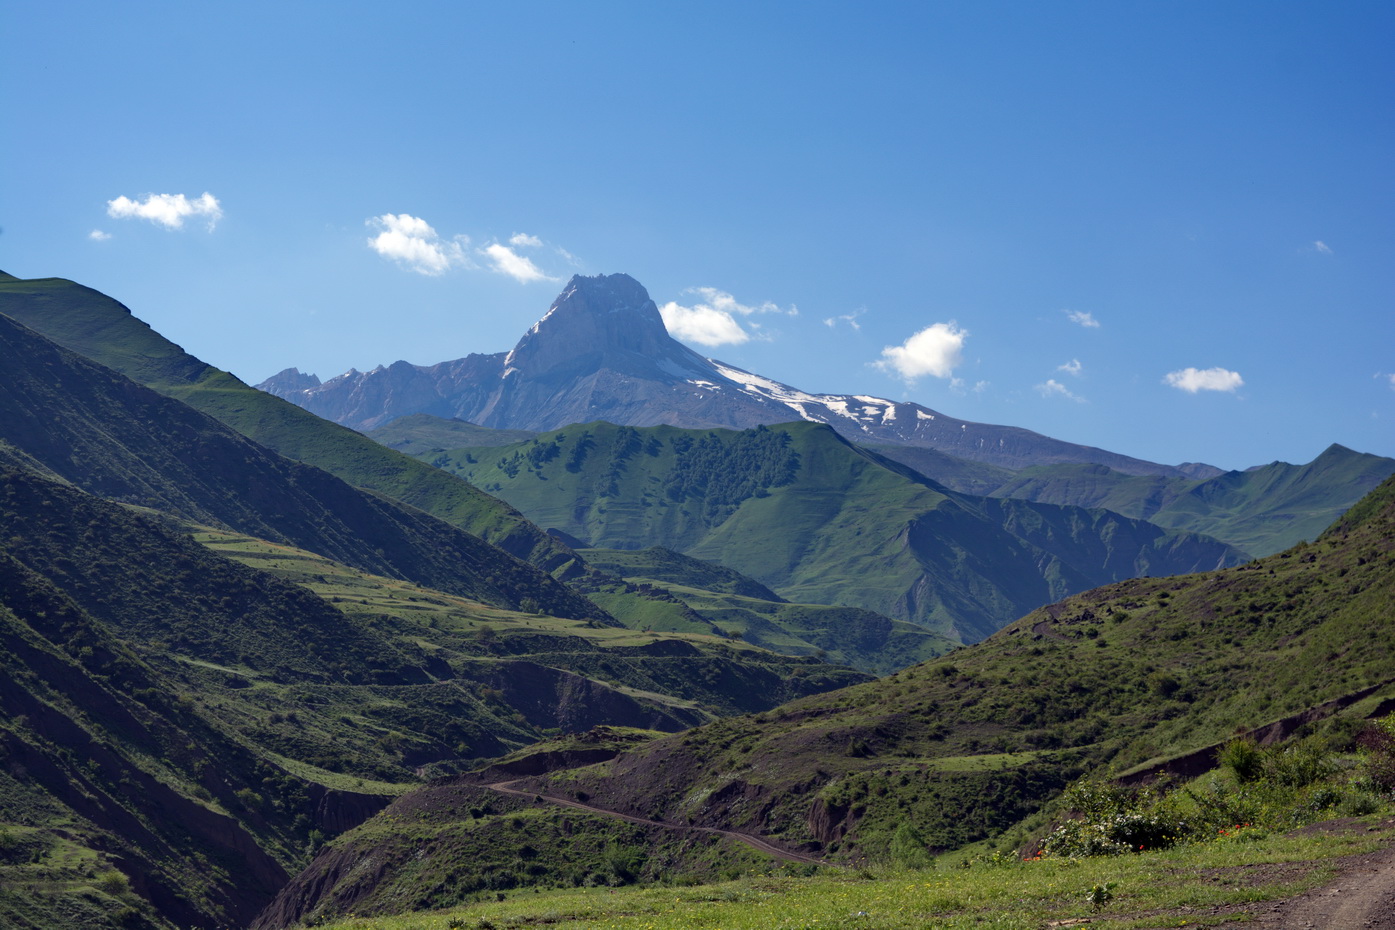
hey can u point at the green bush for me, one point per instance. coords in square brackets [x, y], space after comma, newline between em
[1377, 742]
[1243, 758]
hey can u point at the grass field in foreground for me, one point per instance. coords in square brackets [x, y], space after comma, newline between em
[1194, 886]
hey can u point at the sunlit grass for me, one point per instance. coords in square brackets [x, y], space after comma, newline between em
[1172, 888]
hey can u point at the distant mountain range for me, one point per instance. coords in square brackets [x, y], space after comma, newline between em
[602, 352]
[818, 519]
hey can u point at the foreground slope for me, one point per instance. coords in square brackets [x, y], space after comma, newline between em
[819, 520]
[965, 746]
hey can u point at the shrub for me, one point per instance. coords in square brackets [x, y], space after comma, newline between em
[1113, 820]
[1244, 759]
[1377, 742]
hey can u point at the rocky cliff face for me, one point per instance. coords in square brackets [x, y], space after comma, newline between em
[602, 352]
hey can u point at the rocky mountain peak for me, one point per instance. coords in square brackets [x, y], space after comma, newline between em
[289, 381]
[601, 321]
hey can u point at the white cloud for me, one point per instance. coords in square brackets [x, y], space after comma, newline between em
[702, 324]
[1083, 318]
[935, 350]
[97, 235]
[1054, 388]
[1072, 367]
[849, 318]
[523, 239]
[1322, 247]
[169, 210]
[521, 268]
[725, 303]
[1192, 380]
[712, 321]
[411, 242]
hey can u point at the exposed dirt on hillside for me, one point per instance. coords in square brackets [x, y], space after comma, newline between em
[755, 842]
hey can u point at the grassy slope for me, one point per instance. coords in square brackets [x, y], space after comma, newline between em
[88, 425]
[98, 327]
[691, 676]
[739, 606]
[966, 746]
[419, 433]
[198, 724]
[820, 521]
[1188, 886]
[1123, 673]
[1261, 511]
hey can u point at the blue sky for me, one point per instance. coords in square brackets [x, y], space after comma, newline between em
[1166, 229]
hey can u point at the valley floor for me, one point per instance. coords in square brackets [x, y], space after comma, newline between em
[1333, 874]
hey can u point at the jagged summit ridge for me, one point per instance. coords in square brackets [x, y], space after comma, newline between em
[604, 321]
[602, 352]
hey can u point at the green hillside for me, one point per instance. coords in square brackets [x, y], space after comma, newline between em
[740, 607]
[1260, 511]
[972, 745]
[967, 744]
[183, 724]
[818, 520]
[201, 723]
[99, 328]
[85, 424]
[419, 433]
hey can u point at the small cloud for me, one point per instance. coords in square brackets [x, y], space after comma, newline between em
[935, 350]
[412, 243]
[1193, 380]
[568, 257]
[97, 235]
[521, 268]
[168, 210]
[849, 318]
[721, 300]
[1322, 247]
[1072, 367]
[1082, 318]
[702, 324]
[980, 386]
[712, 321]
[1054, 388]
[525, 240]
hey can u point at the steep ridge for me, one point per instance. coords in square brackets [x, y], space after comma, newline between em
[112, 754]
[966, 746]
[1261, 510]
[821, 521]
[117, 439]
[601, 352]
[94, 325]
